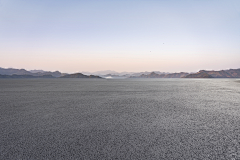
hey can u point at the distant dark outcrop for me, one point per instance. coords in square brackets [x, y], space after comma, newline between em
[155, 75]
[79, 75]
[25, 76]
[232, 73]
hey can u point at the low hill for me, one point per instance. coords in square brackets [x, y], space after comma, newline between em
[55, 74]
[151, 75]
[79, 75]
[25, 76]
[13, 71]
[176, 75]
[37, 71]
[198, 75]
[155, 75]
[232, 73]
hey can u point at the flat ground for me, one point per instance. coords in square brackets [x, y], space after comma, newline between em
[119, 119]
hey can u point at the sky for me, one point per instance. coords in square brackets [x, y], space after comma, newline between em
[121, 35]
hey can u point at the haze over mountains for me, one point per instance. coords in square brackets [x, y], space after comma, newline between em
[37, 71]
[79, 75]
[110, 72]
[155, 75]
[25, 76]
[231, 73]
[22, 73]
[13, 71]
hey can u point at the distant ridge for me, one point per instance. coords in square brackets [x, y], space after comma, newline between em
[22, 73]
[155, 75]
[198, 75]
[231, 73]
[79, 75]
[13, 71]
[25, 76]
[37, 71]
[100, 73]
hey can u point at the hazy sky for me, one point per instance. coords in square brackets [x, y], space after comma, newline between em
[120, 35]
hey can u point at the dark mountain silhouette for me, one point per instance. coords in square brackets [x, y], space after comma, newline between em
[12, 71]
[234, 72]
[79, 75]
[25, 76]
[55, 74]
[198, 75]
[231, 73]
[22, 73]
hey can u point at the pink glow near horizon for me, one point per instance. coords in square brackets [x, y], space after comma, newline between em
[128, 36]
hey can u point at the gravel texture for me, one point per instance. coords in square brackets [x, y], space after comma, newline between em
[119, 119]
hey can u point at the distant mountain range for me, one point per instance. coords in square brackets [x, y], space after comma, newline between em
[101, 73]
[155, 75]
[37, 71]
[79, 75]
[119, 74]
[12, 71]
[25, 76]
[22, 73]
[231, 73]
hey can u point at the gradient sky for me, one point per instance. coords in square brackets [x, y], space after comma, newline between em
[120, 35]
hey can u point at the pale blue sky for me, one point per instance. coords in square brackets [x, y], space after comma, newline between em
[137, 35]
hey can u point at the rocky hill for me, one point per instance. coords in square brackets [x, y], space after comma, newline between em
[231, 73]
[234, 72]
[198, 75]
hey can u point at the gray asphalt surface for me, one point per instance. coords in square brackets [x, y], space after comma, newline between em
[119, 119]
